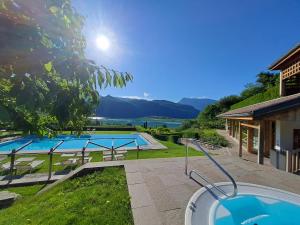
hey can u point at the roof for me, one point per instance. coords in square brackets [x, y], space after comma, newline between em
[265, 108]
[279, 63]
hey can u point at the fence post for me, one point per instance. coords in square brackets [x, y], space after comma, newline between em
[186, 156]
[82, 155]
[112, 150]
[12, 163]
[50, 163]
[138, 152]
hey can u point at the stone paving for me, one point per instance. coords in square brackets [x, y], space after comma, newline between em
[29, 179]
[160, 190]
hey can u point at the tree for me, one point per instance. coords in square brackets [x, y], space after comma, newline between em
[267, 79]
[251, 90]
[227, 101]
[45, 78]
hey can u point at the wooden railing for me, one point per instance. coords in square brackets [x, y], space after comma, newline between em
[293, 160]
[290, 71]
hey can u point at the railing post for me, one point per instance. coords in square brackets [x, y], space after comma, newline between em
[50, 163]
[138, 152]
[186, 157]
[50, 153]
[82, 155]
[12, 163]
[112, 150]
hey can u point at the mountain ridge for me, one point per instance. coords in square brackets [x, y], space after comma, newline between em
[197, 103]
[117, 107]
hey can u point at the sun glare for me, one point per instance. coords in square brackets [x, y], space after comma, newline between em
[102, 43]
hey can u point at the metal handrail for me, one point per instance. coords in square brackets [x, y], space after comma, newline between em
[55, 147]
[124, 145]
[102, 146]
[13, 157]
[235, 190]
[50, 153]
[23, 146]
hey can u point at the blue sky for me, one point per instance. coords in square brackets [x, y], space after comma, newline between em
[194, 48]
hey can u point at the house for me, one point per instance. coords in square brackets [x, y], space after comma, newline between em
[272, 128]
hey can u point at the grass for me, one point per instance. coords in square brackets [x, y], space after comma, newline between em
[96, 157]
[98, 198]
[174, 150]
[26, 191]
[270, 94]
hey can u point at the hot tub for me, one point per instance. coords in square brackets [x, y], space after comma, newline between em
[253, 205]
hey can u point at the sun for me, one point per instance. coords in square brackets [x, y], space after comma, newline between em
[102, 42]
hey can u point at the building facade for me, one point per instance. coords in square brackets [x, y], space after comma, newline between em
[271, 129]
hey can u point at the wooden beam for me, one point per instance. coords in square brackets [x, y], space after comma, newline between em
[260, 152]
[250, 125]
[238, 118]
[250, 140]
[288, 161]
[240, 140]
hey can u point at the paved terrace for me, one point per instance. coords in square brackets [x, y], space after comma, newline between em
[160, 190]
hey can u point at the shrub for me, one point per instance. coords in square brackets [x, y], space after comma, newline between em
[212, 137]
[161, 137]
[174, 138]
[191, 133]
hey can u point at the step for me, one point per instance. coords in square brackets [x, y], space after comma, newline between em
[7, 198]
[117, 157]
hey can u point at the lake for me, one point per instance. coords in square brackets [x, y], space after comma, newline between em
[152, 122]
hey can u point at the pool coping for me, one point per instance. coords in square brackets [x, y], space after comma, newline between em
[153, 144]
[213, 203]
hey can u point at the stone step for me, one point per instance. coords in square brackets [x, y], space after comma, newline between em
[7, 198]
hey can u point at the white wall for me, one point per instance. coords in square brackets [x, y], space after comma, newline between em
[287, 133]
[277, 135]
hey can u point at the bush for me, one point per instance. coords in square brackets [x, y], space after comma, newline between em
[162, 137]
[191, 133]
[212, 137]
[174, 138]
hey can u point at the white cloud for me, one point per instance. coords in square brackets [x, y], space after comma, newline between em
[144, 97]
[131, 97]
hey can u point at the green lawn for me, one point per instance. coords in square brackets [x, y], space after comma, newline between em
[98, 198]
[174, 150]
[26, 191]
[96, 157]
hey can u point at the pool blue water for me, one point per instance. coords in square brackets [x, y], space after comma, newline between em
[74, 142]
[256, 210]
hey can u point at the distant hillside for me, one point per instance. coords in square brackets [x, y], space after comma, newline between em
[114, 107]
[197, 103]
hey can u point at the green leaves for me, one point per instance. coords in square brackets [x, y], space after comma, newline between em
[100, 77]
[114, 78]
[48, 66]
[53, 10]
[59, 82]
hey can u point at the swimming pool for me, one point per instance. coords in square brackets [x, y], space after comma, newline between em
[72, 142]
[254, 205]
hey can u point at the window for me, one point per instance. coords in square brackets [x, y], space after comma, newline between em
[296, 138]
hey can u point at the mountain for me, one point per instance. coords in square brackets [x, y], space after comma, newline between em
[197, 103]
[114, 107]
